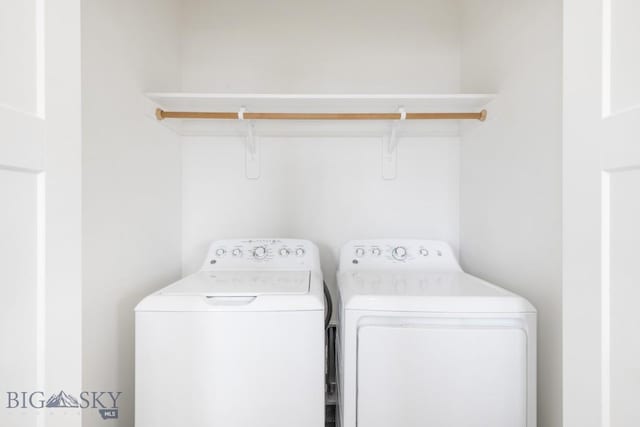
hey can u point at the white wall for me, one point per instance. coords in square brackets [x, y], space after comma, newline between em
[348, 46]
[131, 184]
[328, 190]
[511, 167]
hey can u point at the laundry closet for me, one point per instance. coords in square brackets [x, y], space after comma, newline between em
[156, 193]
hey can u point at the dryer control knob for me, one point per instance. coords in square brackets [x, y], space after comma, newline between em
[399, 253]
[359, 252]
[236, 252]
[284, 252]
[300, 252]
[424, 252]
[375, 251]
[260, 252]
[220, 252]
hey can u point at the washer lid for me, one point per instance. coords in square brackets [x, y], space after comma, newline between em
[240, 283]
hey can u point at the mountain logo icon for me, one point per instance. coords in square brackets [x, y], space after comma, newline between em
[62, 400]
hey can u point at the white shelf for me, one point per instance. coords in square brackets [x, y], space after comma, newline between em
[319, 102]
[332, 103]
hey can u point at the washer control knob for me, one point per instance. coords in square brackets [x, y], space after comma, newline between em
[260, 252]
[359, 252]
[284, 252]
[399, 253]
[220, 252]
[424, 252]
[300, 252]
[236, 252]
[375, 251]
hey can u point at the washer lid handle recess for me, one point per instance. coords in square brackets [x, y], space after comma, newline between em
[229, 301]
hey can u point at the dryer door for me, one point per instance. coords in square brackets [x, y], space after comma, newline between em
[441, 376]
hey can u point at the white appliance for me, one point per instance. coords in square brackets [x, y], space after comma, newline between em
[422, 343]
[240, 343]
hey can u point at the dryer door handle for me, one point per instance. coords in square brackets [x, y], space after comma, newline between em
[229, 300]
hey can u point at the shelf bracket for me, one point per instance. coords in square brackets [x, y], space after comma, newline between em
[390, 148]
[251, 149]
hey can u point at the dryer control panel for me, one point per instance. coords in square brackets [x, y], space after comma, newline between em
[262, 254]
[382, 254]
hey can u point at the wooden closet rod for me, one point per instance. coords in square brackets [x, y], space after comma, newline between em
[161, 115]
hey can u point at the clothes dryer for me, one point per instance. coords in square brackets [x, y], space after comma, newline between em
[422, 343]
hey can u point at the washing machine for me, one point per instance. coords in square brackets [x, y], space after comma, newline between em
[422, 343]
[240, 343]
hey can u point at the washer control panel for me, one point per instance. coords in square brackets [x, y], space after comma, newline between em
[397, 254]
[262, 254]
